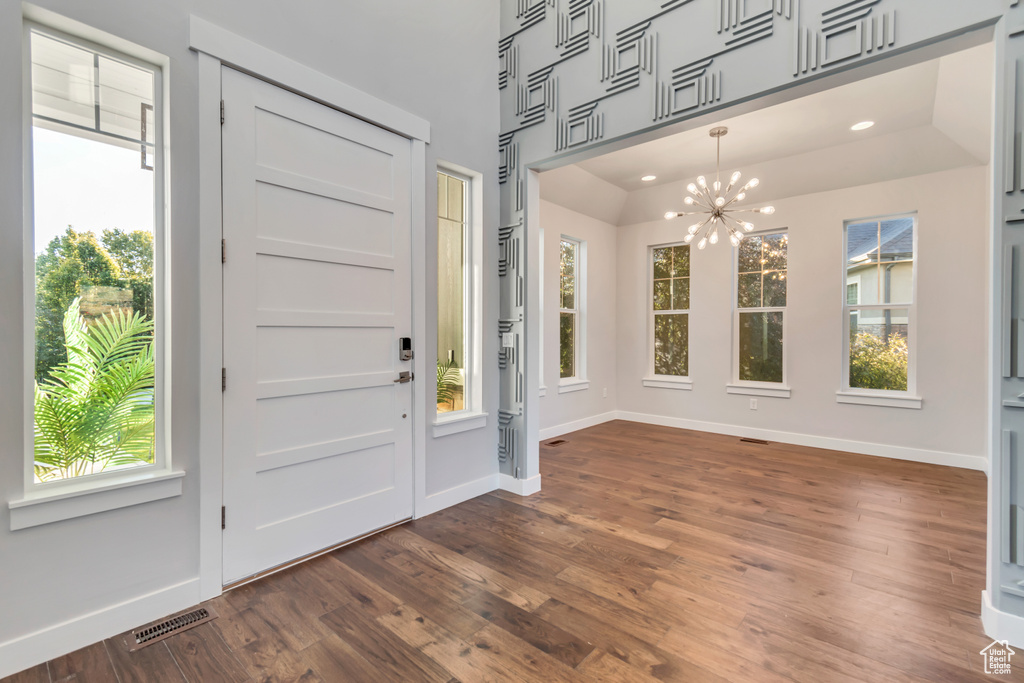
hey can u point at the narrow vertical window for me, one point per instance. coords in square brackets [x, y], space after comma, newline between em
[569, 308]
[762, 262]
[452, 292]
[670, 310]
[96, 177]
[878, 315]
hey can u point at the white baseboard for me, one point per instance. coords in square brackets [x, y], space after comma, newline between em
[56, 641]
[523, 487]
[1001, 625]
[436, 502]
[971, 462]
[593, 421]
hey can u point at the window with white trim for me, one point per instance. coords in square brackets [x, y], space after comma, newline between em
[878, 323]
[570, 309]
[454, 303]
[96, 175]
[761, 290]
[670, 311]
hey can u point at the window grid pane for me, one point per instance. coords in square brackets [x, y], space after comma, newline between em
[760, 346]
[452, 294]
[567, 344]
[762, 267]
[670, 269]
[569, 253]
[879, 271]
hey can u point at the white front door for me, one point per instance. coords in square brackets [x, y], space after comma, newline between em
[317, 293]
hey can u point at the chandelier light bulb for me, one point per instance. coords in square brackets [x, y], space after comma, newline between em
[735, 238]
[703, 243]
[692, 230]
[688, 239]
[735, 178]
[748, 226]
[718, 187]
[714, 237]
[692, 188]
[754, 182]
[702, 182]
[741, 196]
[720, 201]
[688, 201]
[669, 215]
[769, 210]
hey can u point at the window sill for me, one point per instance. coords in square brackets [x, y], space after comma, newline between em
[86, 498]
[543, 391]
[458, 422]
[571, 385]
[681, 384]
[913, 402]
[778, 391]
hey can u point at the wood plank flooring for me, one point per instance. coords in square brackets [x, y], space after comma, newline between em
[651, 554]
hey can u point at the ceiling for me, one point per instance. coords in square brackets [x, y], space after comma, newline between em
[930, 117]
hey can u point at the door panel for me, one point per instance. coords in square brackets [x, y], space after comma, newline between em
[317, 439]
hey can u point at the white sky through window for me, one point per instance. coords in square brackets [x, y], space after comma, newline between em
[89, 185]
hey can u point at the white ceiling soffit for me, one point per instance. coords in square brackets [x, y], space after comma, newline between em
[583, 192]
[929, 117]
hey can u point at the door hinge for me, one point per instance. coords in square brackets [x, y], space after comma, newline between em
[223, 251]
[223, 517]
[222, 111]
[223, 379]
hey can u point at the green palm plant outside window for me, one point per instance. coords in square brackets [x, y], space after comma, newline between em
[96, 410]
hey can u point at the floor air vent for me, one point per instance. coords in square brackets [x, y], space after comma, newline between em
[556, 442]
[760, 441]
[169, 627]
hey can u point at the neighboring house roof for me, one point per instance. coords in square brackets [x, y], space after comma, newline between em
[1003, 645]
[897, 240]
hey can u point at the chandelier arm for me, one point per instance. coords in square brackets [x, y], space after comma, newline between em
[702, 201]
[707, 193]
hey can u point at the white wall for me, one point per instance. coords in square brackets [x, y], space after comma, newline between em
[559, 409]
[951, 314]
[435, 60]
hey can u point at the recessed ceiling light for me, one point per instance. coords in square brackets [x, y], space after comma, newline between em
[648, 178]
[863, 125]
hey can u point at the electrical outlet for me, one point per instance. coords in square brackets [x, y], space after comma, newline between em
[753, 404]
[605, 392]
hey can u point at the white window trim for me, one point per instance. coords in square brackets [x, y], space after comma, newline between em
[577, 382]
[87, 498]
[668, 382]
[652, 379]
[746, 387]
[455, 423]
[571, 384]
[472, 416]
[771, 389]
[875, 397]
[42, 503]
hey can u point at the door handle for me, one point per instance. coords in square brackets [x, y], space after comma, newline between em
[405, 376]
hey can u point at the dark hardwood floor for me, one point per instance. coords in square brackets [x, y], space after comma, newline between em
[652, 554]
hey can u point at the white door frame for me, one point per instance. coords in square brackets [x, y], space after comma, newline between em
[218, 47]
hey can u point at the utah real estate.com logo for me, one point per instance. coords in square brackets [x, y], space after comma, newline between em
[997, 657]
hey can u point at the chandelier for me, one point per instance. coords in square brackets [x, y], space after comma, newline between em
[712, 202]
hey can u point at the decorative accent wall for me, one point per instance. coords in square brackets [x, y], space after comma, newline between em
[574, 74]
